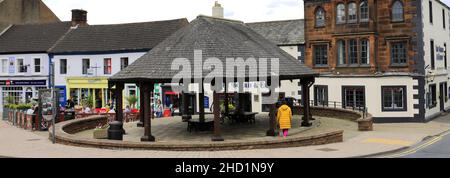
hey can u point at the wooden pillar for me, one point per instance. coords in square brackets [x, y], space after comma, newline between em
[201, 102]
[226, 100]
[141, 122]
[272, 120]
[119, 101]
[306, 84]
[146, 91]
[217, 132]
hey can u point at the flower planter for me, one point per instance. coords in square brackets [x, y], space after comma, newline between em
[365, 124]
[5, 114]
[101, 133]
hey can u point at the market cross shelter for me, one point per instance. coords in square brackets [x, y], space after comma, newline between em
[216, 37]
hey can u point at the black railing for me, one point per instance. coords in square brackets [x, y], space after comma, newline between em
[336, 105]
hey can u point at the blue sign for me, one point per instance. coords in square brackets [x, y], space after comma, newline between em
[206, 104]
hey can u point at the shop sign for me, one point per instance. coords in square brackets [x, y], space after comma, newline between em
[22, 82]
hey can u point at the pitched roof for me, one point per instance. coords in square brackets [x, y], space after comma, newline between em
[118, 37]
[32, 38]
[219, 38]
[287, 32]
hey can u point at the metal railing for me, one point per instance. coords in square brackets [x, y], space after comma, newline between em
[334, 104]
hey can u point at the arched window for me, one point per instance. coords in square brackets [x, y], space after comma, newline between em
[320, 17]
[352, 16]
[364, 11]
[340, 13]
[397, 11]
[365, 54]
[341, 52]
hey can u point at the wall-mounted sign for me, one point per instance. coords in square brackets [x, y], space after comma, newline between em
[22, 82]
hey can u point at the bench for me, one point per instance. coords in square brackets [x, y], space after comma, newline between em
[196, 125]
[245, 117]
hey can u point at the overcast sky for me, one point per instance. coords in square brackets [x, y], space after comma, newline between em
[126, 11]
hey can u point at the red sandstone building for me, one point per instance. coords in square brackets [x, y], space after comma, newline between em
[386, 55]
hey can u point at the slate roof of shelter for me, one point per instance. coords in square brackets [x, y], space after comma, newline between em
[117, 37]
[32, 38]
[215, 37]
[286, 32]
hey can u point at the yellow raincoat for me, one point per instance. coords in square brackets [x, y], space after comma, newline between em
[284, 117]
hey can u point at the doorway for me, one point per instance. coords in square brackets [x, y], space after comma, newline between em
[442, 95]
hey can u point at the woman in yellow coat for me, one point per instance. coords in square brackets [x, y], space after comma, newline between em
[284, 118]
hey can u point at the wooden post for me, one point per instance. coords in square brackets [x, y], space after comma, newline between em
[186, 116]
[141, 122]
[146, 90]
[217, 132]
[272, 120]
[201, 102]
[119, 102]
[306, 104]
[226, 100]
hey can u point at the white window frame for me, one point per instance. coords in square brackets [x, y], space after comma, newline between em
[17, 65]
[34, 65]
[4, 66]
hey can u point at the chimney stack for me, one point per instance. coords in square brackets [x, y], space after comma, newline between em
[217, 10]
[79, 17]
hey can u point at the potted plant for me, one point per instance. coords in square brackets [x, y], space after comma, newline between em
[132, 100]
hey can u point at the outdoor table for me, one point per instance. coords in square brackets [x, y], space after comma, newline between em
[196, 125]
[245, 117]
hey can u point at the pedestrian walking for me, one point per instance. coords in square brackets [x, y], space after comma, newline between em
[284, 118]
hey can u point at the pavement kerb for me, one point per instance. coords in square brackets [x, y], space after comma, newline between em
[402, 149]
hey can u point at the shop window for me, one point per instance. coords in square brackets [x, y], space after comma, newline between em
[364, 11]
[398, 53]
[63, 66]
[397, 11]
[340, 14]
[320, 17]
[394, 98]
[107, 66]
[37, 65]
[15, 94]
[320, 55]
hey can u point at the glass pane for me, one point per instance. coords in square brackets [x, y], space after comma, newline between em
[340, 18]
[352, 12]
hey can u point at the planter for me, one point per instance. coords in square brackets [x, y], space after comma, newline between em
[101, 133]
[365, 124]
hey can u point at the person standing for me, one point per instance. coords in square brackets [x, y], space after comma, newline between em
[284, 118]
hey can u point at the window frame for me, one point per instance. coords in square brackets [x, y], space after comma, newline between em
[344, 96]
[316, 24]
[322, 88]
[432, 97]
[392, 12]
[19, 68]
[61, 67]
[344, 51]
[315, 46]
[353, 54]
[404, 101]
[121, 62]
[361, 12]
[391, 54]
[344, 15]
[430, 11]
[349, 20]
[6, 67]
[367, 51]
[432, 55]
[34, 65]
[85, 70]
[107, 66]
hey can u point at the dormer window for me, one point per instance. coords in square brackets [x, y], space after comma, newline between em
[397, 11]
[320, 17]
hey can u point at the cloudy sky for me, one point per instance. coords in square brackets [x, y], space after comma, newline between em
[124, 11]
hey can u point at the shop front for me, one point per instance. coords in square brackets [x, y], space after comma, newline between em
[91, 91]
[18, 91]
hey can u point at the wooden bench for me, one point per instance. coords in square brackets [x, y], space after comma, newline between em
[246, 117]
[196, 125]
